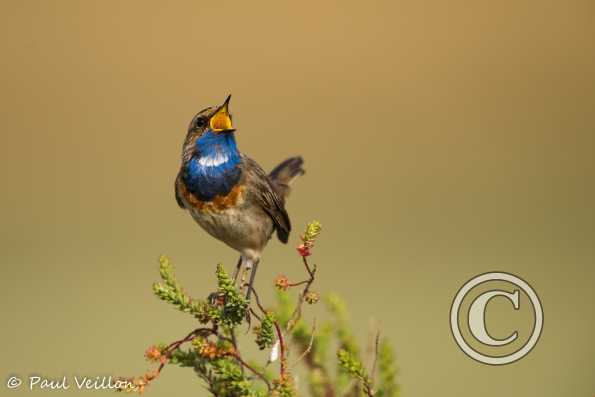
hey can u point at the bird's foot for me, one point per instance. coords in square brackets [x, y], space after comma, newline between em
[248, 321]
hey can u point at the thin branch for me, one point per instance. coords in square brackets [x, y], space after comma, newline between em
[174, 345]
[262, 309]
[375, 360]
[309, 348]
[298, 284]
[310, 271]
[255, 314]
[313, 365]
[212, 331]
[282, 348]
[254, 371]
[297, 313]
[234, 342]
[368, 390]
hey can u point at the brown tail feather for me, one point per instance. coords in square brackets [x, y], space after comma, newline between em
[284, 174]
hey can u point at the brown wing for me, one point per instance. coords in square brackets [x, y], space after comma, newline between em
[261, 188]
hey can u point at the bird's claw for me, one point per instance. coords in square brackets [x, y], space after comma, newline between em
[248, 321]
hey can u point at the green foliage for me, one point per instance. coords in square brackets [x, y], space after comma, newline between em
[284, 387]
[223, 375]
[265, 333]
[234, 306]
[171, 292]
[341, 326]
[284, 308]
[318, 376]
[215, 355]
[313, 229]
[184, 358]
[354, 367]
[228, 379]
[229, 307]
[351, 365]
[345, 338]
[387, 371]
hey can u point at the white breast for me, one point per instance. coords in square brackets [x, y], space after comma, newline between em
[214, 160]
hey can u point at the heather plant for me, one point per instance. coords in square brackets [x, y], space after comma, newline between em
[213, 352]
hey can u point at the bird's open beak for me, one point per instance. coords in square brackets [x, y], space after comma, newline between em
[221, 120]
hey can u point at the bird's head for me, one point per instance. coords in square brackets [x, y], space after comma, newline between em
[216, 119]
[210, 129]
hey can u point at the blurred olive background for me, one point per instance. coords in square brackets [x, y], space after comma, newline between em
[442, 140]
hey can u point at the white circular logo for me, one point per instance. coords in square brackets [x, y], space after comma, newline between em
[476, 318]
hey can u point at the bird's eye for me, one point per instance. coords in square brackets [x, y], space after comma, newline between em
[200, 122]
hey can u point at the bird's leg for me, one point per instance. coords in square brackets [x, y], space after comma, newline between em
[236, 273]
[252, 275]
[247, 269]
[251, 266]
[247, 265]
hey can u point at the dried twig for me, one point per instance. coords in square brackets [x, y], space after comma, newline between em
[375, 359]
[309, 348]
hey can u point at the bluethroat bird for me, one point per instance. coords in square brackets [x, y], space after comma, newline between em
[228, 194]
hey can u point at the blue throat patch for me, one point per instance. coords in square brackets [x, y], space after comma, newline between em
[213, 168]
